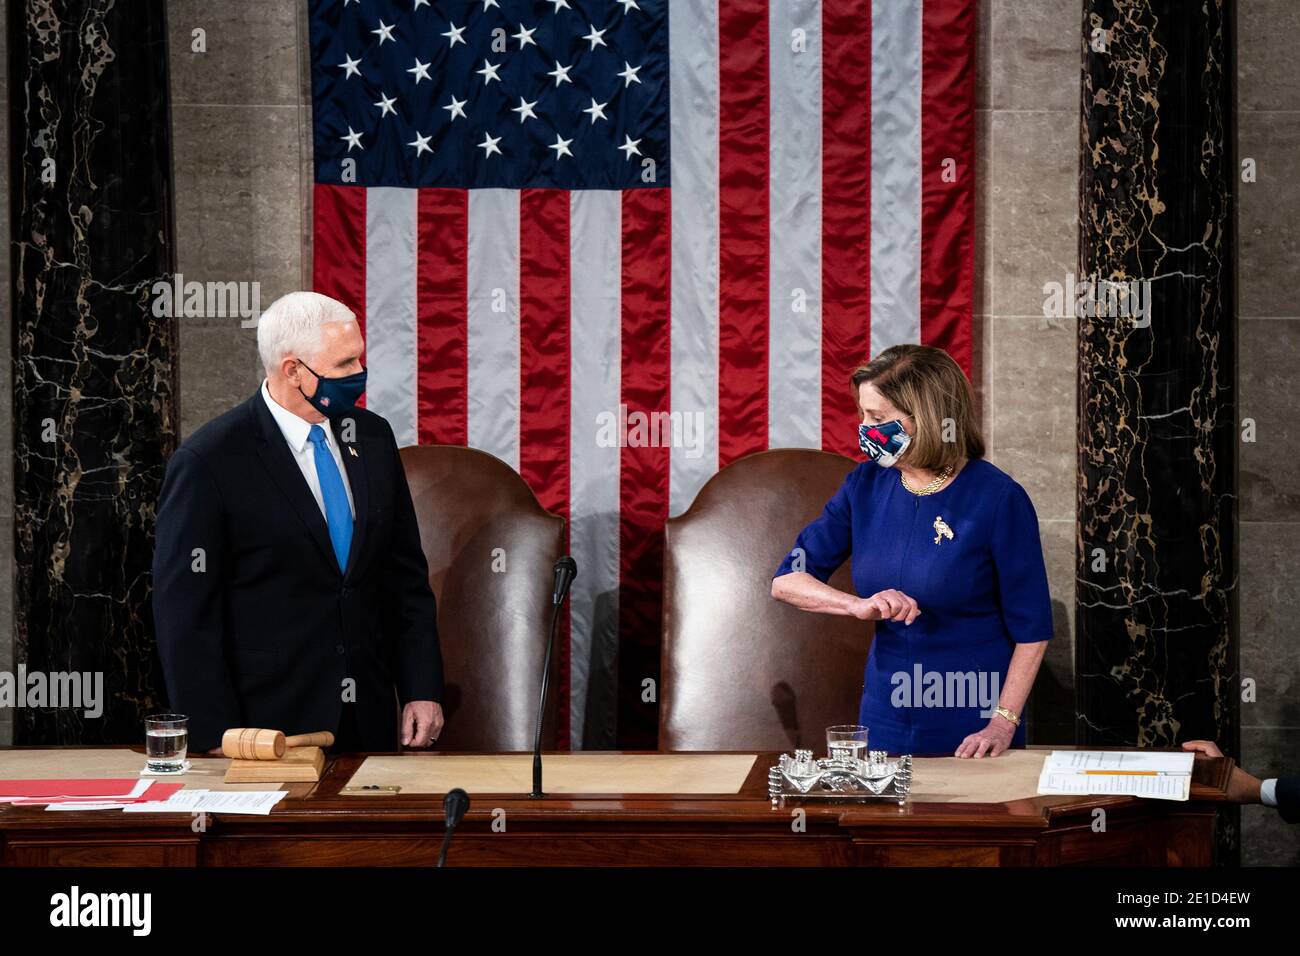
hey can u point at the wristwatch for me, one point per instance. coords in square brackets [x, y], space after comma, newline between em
[1009, 714]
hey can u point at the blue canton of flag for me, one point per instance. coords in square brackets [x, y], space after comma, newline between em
[565, 94]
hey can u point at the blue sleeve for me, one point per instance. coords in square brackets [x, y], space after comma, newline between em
[824, 545]
[1287, 793]
[1021, 575]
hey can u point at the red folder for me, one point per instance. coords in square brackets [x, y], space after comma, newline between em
[115, 790]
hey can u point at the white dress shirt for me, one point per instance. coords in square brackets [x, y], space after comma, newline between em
[296, 431]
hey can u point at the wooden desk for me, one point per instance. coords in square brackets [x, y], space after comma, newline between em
[318, 826]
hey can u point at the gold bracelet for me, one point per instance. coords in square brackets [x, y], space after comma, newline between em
[1009, 714]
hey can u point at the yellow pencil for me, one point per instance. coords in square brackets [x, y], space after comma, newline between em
[1130, 773]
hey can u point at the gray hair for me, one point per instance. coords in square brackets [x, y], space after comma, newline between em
[291, 325]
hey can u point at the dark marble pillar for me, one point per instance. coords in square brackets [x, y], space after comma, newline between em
[94, 369]
[1157, 586]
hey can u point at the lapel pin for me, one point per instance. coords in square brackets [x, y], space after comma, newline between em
[355, 455]
[941, 530]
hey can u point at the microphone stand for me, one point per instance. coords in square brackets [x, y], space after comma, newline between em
[537, 793]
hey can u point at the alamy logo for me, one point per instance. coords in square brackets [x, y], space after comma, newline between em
[75, 908]
[211, 300]
[79, 690]
[1094, 297]
[946, 689]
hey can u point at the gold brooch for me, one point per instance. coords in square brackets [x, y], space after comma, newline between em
[941, 530]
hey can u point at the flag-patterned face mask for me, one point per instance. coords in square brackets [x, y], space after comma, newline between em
[883, 443]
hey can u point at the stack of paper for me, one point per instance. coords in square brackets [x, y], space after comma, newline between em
[214, 801]
[1134, 773]
[84, 794]
[137, 796]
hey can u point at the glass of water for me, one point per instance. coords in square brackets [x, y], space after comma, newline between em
[166, 740]
[846, 742]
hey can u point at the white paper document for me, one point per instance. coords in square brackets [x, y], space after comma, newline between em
[1135, 773]
[213, 801]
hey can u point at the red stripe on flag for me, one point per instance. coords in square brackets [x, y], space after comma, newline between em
[947, 207]
[643, 468]
[339, 246]
[744, 242]
[441, 296]
[544, 394]
[846, 214]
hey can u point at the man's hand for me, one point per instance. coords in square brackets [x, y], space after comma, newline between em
[421, 723]
[1242, 787]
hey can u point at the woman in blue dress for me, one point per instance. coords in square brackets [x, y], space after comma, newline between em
[946, 559]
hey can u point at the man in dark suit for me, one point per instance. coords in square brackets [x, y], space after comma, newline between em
[290, 588]
[1280, 792]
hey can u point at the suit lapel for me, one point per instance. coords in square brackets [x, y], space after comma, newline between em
[355, 462]
[278, 460]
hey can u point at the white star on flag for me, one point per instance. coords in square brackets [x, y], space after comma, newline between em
[597, 110]
[629, 74]
[525, 37]
[456, 107]
[489, 145]
[561, 73]
[352, 139]
[350, 65]
[489, 72]
[455, 34]
[384, 32]
[595, 37]
[421, 71]
[421, 144]
[630, 146]
[525, 109]
[561, 146]
[385, 104]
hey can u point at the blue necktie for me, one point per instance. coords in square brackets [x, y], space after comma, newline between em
[337, 513]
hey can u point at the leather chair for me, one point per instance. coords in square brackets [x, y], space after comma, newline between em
[477, 515]
[741, 670]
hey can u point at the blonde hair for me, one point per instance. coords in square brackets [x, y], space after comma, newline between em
[925, 382]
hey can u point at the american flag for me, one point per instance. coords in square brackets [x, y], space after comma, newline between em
[619, 246]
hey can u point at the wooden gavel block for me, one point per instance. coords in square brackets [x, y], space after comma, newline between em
[253, 743]
[268, 756]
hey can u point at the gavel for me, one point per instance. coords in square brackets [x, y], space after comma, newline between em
[254, 743]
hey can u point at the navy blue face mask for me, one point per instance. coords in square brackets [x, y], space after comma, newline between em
[335, 397]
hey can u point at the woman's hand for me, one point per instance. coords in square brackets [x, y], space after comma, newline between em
[992, 740]
[887, 605]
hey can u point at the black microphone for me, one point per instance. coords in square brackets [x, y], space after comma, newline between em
[454, 805]
[566, 569]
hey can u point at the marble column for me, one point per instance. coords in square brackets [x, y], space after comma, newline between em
[94, 371]
[1155, 612]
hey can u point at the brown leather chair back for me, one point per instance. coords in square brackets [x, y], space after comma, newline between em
[741, 670]
[491, 549]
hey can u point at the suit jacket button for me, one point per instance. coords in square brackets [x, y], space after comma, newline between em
[339, 648]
